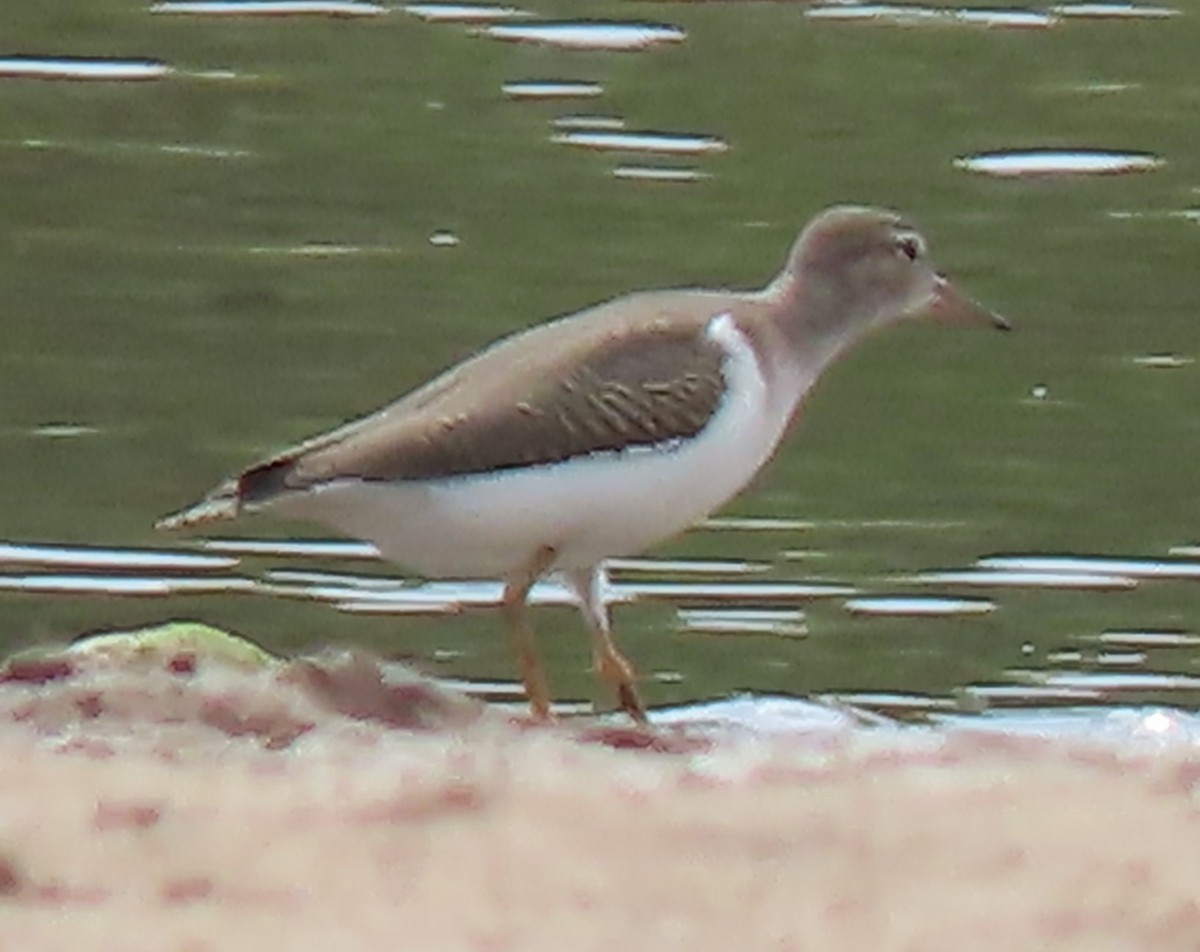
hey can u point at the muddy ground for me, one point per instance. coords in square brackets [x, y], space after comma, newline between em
[167, 798]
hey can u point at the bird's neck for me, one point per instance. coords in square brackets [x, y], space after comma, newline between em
[818, 324]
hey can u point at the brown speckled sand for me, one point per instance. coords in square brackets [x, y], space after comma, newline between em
[154, 824]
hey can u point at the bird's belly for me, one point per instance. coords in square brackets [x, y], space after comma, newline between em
[586, 509]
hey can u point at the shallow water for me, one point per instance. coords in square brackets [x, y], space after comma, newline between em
[224, 233]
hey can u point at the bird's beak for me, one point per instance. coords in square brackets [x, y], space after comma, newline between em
[951, 305]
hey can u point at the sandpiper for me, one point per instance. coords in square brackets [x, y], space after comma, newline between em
[602, 433]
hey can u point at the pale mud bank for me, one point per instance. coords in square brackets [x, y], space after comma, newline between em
[160, 798]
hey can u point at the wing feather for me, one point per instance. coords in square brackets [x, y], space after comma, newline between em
[639, 384]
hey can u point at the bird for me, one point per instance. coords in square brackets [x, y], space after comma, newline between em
[602, 433]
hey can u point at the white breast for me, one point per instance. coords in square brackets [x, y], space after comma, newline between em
[586, 509]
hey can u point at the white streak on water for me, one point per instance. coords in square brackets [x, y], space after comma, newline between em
[1037, 162]
[658, 143]
[112, 559]
[269, 8]
[613, 36]
[33, 67]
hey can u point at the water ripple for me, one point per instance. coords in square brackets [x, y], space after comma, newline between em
[610, 35]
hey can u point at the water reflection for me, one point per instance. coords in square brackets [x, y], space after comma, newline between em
[64, 431]
[1104, 659]
[105, 147]
[679, 581]
[304, 577]
[1148, 639]
[551, 89]
[121, 585]
[687, 567]
[1184, 214]
[660, 143]
[474, 593]
[204, 151]
[785, 623]
[918, 606]
[911, 14]
[750, 592]
[983, 578]
[660, 173]
[269, 8]
[1098, 88]
[1106, 682]
[712, 597]
[1121, 659]
[390, 606]
[1163, 361]
[1021, 163]
[293, 548]
[980, 697]
[588, 121]
[753, 524]
[71, 68]
[609, 35]
[916, 14]
[444, 239]
[1091, 565]
[464, 12]
[461, 593]
[1114, 11]
[894, 703]
[115, 560]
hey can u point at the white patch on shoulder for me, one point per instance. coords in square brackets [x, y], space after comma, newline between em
[586, 509]
[724, 330]
[743, 373]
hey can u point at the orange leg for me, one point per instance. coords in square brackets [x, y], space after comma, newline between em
[516, 591]
[612, 666]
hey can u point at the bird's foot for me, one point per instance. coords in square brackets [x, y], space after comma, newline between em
[617, 672]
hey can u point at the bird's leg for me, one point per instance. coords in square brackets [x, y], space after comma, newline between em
[612, 666]
[516, 591]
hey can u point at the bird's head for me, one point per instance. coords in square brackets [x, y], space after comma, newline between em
[872, 267]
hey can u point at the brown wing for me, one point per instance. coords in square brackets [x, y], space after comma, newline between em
[543, 397]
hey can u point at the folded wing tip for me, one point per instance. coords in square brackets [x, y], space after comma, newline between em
[222, 504]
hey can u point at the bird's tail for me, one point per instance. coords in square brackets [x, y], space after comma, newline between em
[224, 502]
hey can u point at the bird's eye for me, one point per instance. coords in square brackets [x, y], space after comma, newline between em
[909, 246]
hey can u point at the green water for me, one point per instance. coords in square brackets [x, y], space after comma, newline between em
[150, 295]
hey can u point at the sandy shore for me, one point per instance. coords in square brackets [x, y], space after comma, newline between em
[165, 800]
